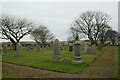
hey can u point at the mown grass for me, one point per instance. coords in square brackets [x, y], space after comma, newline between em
[43, 58]
[115, 61]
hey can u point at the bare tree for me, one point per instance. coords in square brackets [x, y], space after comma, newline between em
[42, 35]
[14, 29]
[102, 33]
[72, 34]
[90, 23]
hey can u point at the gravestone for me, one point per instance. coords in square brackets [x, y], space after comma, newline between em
[56, 52]
[28, 48]
[77, 57]
[71, 49]
[0, 48]
[18, 49]
[86, 48]
[4, 49]
[66, 60]
[47, 47]
[65, 46]
[11, 47]
[61, 47]
[83, 45]
[99, 46]
[38, 47]
[93, 49]
[51, 45]
[0, 51]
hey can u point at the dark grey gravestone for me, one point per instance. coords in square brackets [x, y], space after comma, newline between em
[71, 49]
[0, 51]
[0, 48]
[66, 60]
[93, 49]
[38, 47]
[88, 50]
[85, 48]
[11, 47]
[28, 48]
[65, 46]
[77, 57]
[56, 52]
[4, 49]
[83, 45]
[18, 49]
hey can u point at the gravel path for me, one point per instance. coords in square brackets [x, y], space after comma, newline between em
[102, 67]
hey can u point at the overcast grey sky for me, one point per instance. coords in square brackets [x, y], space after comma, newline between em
[57, 16]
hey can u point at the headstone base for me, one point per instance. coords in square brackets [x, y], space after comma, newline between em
[56, 58]
[77, 60]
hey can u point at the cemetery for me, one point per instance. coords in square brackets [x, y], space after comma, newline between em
[43, 59]
[85, 47]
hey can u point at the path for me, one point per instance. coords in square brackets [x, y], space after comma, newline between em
[102, 67]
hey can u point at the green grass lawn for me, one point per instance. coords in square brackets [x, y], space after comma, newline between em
[116, 61]
[43, 58]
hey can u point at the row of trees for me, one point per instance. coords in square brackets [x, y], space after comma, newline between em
[14, 29]
[94, 25]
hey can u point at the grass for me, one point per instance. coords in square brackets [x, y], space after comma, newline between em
[115, 61]
[43, 58]
[6, 75]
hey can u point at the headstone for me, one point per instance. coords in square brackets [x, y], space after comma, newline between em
[38, 47]
[47, 47]
[51, 45]
[93, 49]
[99, 46]
[83, 45]
[61, 46]
[4, 49]
[86, 48]
[11, 47]
[66, 60]
[18, 49]
[0, 48]
[77, 57]
[65, 46]
[71, 49]
[28, 48]
[56, 52]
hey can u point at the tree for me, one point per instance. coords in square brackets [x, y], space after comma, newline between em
[102, 34]
[14, 29]
[72, 34]
[90, 24]
[112, 35]
[42, 35]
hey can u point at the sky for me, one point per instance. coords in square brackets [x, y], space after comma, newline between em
[57, 16]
